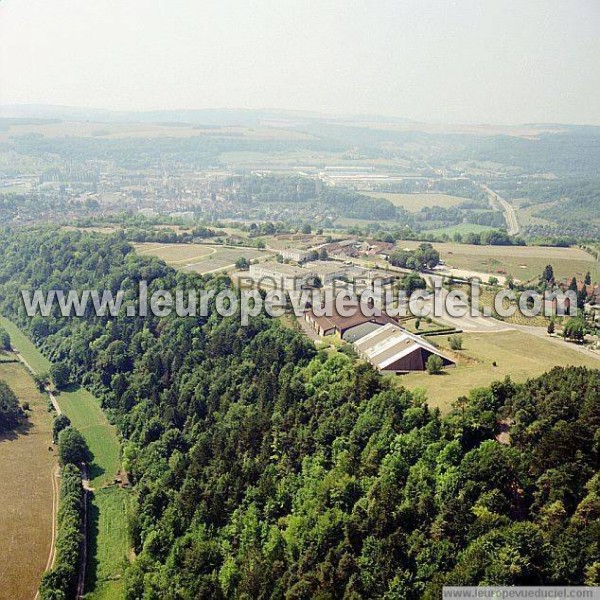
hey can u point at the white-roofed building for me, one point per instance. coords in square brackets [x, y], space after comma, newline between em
[391, 348]
[280, 276]
[326, 271]
[295, 254]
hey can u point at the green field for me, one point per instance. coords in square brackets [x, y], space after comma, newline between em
[517, 354]
[200, 258]
[38, 362]
[101, 437]
[108, 540]
[463, 229]
[415, 202]
[522, 262]
[27, 491]
[526, 211]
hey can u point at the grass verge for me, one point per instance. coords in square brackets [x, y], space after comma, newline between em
[515, 353]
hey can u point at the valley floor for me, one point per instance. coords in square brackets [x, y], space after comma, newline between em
[108, 542]
[29, 490]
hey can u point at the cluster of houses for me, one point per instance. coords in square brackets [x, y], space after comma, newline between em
[354, 248]
[377, 337]
[351, 248]
[316, 273]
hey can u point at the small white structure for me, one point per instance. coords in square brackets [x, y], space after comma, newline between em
[295, 254]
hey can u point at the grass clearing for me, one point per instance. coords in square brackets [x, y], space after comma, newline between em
[109, 542]
[39, 363]
[26, 495]
[200, 258]
[463, 229]
[516, 353]
[522, 262]
[487, 296]
[425, 326]
[86, 415]
[175, 254]
[108, 538]
[526, 212]
[415, 202]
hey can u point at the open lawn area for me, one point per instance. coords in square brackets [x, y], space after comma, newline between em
[415, 202]
[109, 542]
[200, 258]
[487, 296]
[27, 490]
[108, 538]
[38, 362]
[516, 353]
[522, 262]
[86, 415]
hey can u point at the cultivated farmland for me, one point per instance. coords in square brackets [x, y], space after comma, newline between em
[28, 490]
[415, 202]
[462, 228]
[108, 540]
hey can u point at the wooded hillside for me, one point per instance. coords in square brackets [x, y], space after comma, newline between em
[263, 469]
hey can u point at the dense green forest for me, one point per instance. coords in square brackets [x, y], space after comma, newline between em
[265, 469]
[11, 413]
[132, 153]
[61, 582]
[336, 202]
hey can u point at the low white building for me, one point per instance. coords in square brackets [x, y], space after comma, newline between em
[326, 271]
[295, 254]
[280, 276]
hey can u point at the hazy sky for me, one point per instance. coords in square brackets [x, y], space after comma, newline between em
[501, 61]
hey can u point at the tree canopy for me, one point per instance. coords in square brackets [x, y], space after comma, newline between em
[11, 413]
[262, 468]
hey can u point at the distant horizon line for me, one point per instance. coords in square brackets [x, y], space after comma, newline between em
[282, 111]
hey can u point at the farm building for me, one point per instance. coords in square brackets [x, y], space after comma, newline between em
[295, 254]
[280, 276]
[391, 348]
[368, 277]
[328, 321]
[326, 270]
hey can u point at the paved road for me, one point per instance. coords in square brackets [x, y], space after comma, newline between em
[510, 216]
[481, 324]
[468, 323]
